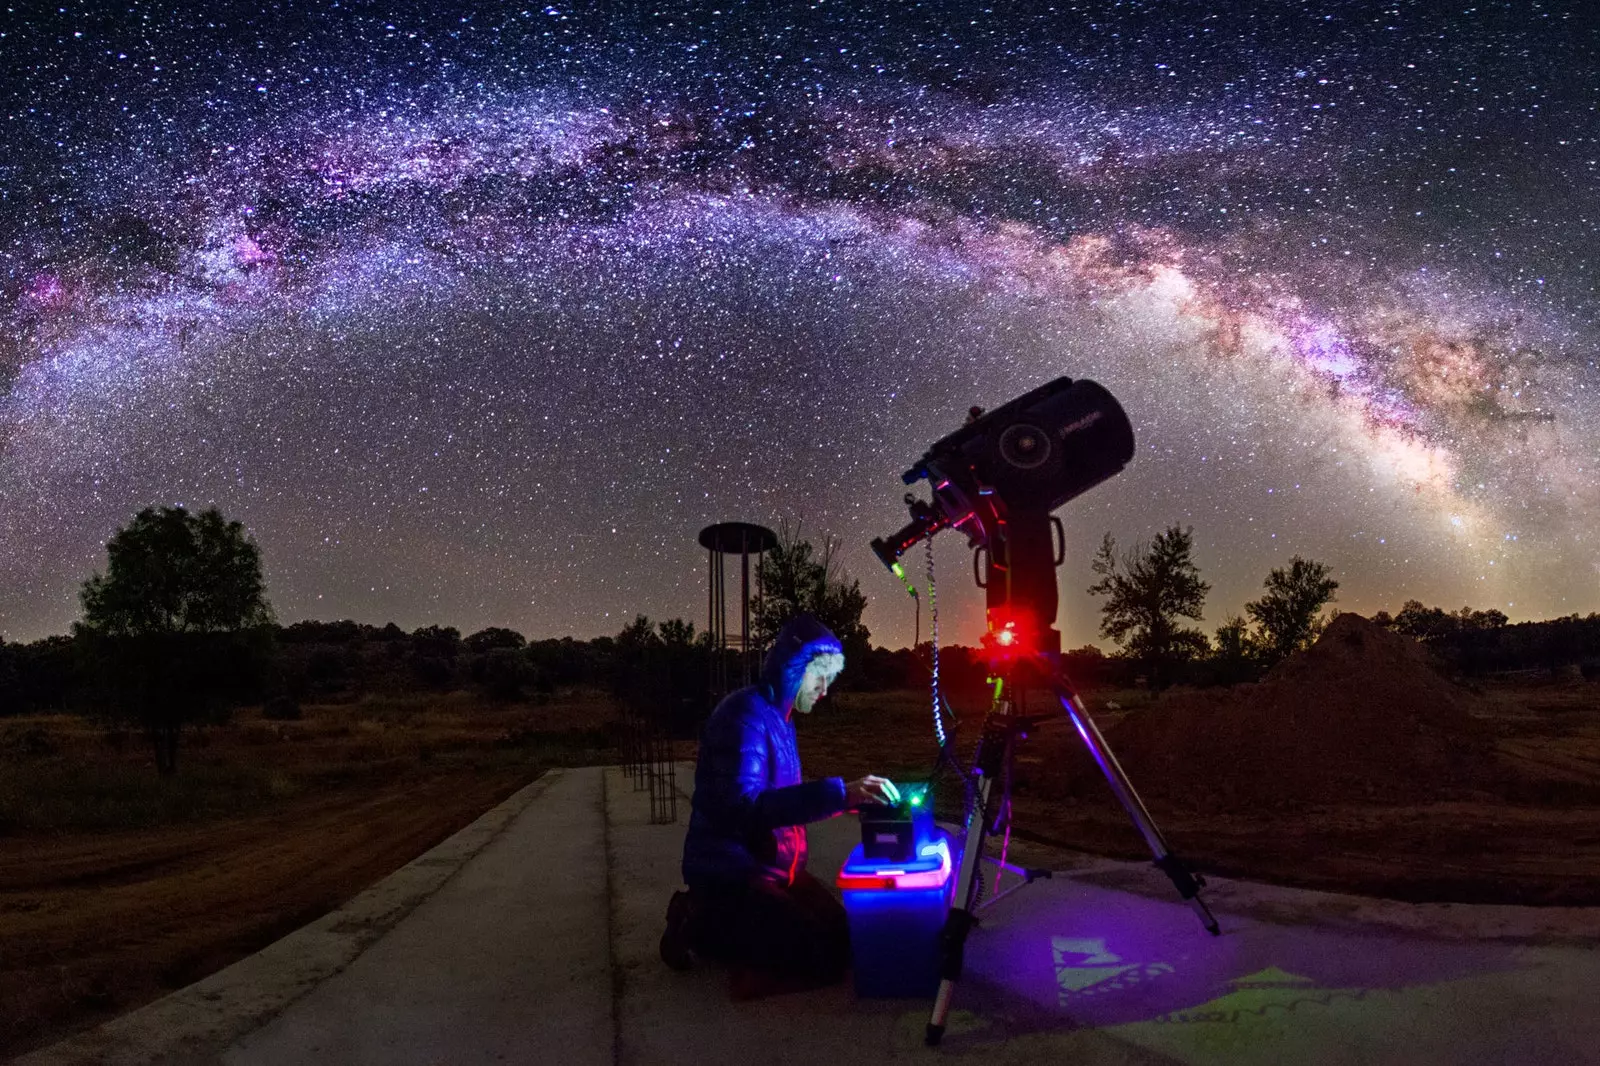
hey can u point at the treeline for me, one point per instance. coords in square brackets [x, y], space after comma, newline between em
[335, 662]
[178, 630]
[1481, 643]
[1150, 591]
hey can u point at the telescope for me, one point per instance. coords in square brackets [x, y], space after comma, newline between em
[998, 479]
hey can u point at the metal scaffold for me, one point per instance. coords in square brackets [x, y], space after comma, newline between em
[732, 656]
[666, 703]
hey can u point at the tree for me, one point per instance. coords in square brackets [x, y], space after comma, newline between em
[793, 580]
[663, 677]
[1235, 652]
[1290, 614]
[485, 640]
[178, 622]
[675, 632]
[1147, 591]
[173, 572]
[639, 633]
[10, 684]
[1421, 622]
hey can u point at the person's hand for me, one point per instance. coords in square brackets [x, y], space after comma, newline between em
[871, 789]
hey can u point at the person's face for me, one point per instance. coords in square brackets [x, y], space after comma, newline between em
[821, 673]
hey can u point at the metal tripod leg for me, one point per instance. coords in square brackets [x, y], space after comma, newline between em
[958, 923]
[1183, 879]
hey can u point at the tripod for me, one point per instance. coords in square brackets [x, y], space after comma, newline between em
[1019, 560]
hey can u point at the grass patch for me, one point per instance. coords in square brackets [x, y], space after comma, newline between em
[60, 773]
[58, 794]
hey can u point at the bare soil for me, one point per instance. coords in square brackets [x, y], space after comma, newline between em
[97, 921]
[1354, 767]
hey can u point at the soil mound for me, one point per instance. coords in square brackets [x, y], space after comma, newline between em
[1361, 715]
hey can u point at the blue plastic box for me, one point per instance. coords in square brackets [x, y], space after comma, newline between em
[896, 913]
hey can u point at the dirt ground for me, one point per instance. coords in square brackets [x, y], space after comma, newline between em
[116, 888]
[96, 921]
[1483, 795]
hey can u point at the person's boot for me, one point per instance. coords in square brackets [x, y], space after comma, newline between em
[675, 941]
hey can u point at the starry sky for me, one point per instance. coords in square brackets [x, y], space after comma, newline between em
[475, 315]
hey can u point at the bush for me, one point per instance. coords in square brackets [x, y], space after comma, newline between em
[328, 668]
[435, 671]
[504, 673]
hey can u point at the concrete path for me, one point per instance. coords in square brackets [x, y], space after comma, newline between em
[536, 942]
[509, 962]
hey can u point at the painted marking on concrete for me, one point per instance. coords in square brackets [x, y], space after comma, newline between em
[1085, 967]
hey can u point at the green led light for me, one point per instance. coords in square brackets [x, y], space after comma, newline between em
[916, 801]
[898, 571]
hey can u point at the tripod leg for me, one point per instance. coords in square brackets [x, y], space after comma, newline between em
[1183, 879]
[958, 923]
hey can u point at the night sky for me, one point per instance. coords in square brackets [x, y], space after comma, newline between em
[476, 315]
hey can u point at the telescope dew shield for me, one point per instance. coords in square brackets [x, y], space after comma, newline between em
[1028, 456]
[1041, 449]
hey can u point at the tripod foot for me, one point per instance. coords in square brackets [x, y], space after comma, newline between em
[1207, 919]
[1188, 883]
[934, 1034]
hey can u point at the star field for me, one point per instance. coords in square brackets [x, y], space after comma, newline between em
[475, 316]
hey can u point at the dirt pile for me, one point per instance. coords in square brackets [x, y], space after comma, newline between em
[1362, 715]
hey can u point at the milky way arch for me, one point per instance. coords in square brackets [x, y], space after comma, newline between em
[470, 344]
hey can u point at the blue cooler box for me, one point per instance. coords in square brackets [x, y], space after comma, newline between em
[896, 911]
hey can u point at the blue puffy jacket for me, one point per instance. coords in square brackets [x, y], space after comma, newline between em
[750, 806]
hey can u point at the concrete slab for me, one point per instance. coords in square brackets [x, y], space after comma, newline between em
[195, 1023]
[508, 962]
[1105, 965]
[670, 1017]
[539, 945]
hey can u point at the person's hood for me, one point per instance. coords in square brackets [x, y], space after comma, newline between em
[802, 639]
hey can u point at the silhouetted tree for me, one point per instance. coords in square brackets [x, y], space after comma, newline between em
[676, 632]
[1289, 616]
[663, 677]
[441, 641]
[311, 631]
[794, 579]
[179, 621]
[505, 673]
[10, 682]
[639, 633]
[495, 637]
[1147, 591]
[1235, 654]
[1422, 622]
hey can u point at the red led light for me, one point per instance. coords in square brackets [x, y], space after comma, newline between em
[861, 881]
[1007, 639]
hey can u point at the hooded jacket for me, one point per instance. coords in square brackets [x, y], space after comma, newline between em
[750, 806]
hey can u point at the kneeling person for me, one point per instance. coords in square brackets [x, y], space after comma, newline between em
[750, 898]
